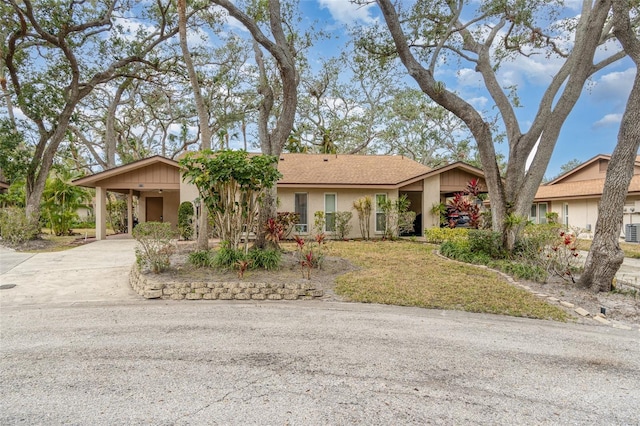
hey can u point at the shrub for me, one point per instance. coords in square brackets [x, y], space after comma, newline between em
[155, 245]
[343, 225]
[440, 235]
[487, 242]
[288, 221]
[14, 226]
[521, 270]
[185, 220]
[227, 257]
[364, 206]
[117, 215]
[201, 258]
[265, 258]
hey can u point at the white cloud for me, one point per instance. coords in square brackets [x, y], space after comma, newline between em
[608, 120]
[613, 86]
[348, 13]
[479, 102]
[468, 77]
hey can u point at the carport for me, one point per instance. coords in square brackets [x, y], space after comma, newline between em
[155, 181]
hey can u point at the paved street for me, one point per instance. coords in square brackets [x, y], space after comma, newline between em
[157, 362]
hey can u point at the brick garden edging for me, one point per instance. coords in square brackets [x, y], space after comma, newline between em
[148, 287]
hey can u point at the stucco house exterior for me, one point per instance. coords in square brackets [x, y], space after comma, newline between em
[310, 183]
[575, 195]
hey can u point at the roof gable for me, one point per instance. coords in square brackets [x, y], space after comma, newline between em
[156, 170]
[595, 168]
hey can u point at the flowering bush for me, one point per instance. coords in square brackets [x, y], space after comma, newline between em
[554, 249]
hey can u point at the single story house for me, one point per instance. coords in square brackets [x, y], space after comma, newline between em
[310, 183]
[575, 195]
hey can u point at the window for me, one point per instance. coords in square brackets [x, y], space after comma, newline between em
[565, 214]
[300, 208]
[538, 213]
[330, 212]
[381, 200]
[542, 213]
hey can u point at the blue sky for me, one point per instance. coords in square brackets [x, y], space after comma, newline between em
[591, 128]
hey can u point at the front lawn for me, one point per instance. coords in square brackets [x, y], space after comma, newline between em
[410, 274]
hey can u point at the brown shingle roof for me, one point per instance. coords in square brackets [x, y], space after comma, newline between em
[580, 189]
[348, 170]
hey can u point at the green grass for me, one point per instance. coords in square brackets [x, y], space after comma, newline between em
[410, 274]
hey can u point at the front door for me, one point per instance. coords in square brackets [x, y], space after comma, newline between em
[154, 209]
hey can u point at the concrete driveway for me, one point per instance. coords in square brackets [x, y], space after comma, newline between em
[93, 272]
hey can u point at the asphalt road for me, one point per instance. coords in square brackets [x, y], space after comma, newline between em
[164, 363]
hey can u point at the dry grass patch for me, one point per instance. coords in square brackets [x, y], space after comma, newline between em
[410, 274]
[630, 249]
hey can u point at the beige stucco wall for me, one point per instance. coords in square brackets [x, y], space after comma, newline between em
[430, 197]
[584, 212]
[188, 192]
[345, 199]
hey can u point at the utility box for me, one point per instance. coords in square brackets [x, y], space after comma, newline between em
[632, 233]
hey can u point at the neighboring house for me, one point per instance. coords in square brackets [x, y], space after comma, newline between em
[4, 187]
[575, 195]
[310, 183]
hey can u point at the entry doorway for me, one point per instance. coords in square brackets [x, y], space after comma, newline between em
[154, 206]
[415, 198]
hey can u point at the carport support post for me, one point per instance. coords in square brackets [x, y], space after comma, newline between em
[101, 213]
[130, 212]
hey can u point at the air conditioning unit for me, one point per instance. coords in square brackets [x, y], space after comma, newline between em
[632, 233]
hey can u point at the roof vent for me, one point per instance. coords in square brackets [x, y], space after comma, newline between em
[325, 159]
[281, 158]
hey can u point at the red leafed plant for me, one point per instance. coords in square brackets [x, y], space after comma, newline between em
[242, 265]
[274, 230]
[562, 259]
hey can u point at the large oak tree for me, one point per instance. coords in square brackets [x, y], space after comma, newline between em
[432, 34]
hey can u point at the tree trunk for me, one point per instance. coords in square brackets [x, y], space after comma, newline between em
[203, 116]
[110, 139]
[605, 256]
[271, 140]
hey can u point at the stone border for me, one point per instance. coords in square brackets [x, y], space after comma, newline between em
[147, 287]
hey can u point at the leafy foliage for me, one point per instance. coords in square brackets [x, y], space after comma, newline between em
[398, 219]
[232, 185]
[155, 245]
[117, 214]
[185, 220]
[288, 221]
[201, 258]
[15, 228]
[227, 256]
[265, 258]
[440, 235]
[364, 207]
[60, 202]
[343, 224]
